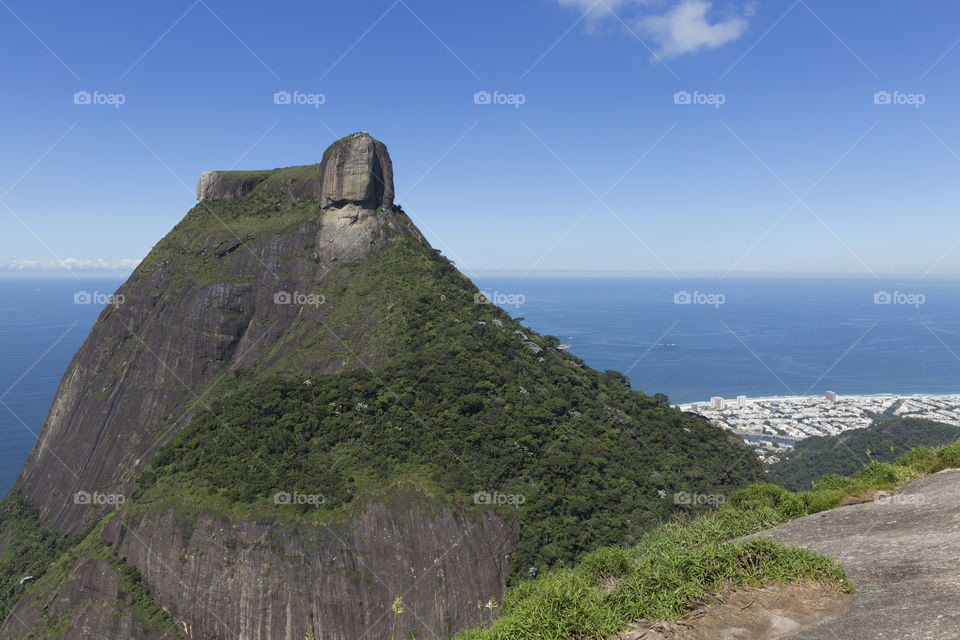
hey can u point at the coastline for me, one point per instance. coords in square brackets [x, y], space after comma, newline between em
[841, 397]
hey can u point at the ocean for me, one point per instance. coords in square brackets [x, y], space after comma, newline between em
[40, 330]
[688, 338]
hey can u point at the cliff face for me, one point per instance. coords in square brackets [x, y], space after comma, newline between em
[261, 579]
[269, 579]
[89, 604]
[203, 305]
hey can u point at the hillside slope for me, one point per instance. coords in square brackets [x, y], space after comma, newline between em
[887, 439]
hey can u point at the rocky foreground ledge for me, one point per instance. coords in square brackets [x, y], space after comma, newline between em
[903, 552]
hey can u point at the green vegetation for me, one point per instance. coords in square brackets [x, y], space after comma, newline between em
[26, 549]
[463, 400]
[884, 441]
[681, 563]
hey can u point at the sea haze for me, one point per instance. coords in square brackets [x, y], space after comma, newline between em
[762, 337]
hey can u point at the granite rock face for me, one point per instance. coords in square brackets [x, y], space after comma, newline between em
[89, 603]
[356, 171]
[258, 579]
[221, 185]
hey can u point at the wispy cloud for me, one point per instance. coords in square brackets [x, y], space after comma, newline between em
[70, 264]
[685, 27]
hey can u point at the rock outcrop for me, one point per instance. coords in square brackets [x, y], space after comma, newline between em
[902, 552]
[222, 185]
[355, 171]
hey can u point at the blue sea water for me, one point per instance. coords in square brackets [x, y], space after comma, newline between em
[755, 337]
[764, 337]
[41, 329]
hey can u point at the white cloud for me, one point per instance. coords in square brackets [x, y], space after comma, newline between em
[686, 29]
[71, 264]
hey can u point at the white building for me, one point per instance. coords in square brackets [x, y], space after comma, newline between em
[741, 402]
[832, 396]
[716, 402]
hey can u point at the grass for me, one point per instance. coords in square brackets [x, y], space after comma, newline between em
[682, 563]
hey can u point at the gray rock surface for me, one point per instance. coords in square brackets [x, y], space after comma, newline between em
[220, 185]
[904, 555]
[356, 170]
[257, 579]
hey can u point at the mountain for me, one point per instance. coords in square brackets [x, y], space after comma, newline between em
[884, 441]
[296, 411]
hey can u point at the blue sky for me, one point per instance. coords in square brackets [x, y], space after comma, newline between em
[798, 170]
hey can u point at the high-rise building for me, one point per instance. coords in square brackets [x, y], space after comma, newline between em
[741, 402]
[832, 396]
[716, 402]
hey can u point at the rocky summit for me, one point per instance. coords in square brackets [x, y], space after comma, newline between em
[301, 412]
[355, 171]
[198, 308]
